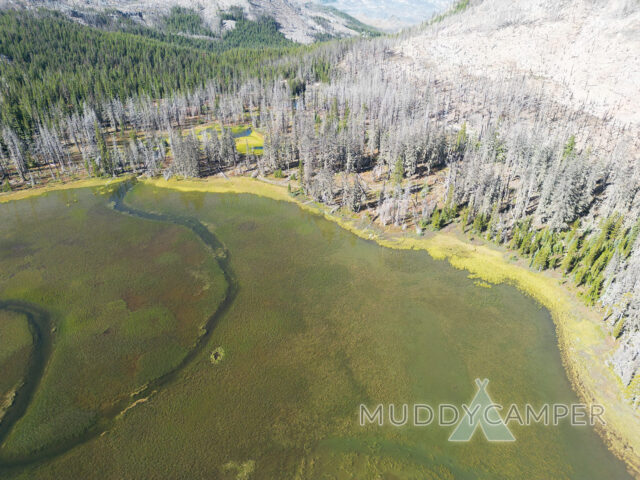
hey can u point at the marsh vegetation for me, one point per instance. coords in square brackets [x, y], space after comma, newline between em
[320, 322]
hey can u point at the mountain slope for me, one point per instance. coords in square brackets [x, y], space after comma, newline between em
[300, 22]
[49, 63]
[583, 54]
[389, 15]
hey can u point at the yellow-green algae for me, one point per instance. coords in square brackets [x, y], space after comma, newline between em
[59, 185]
[583, 343]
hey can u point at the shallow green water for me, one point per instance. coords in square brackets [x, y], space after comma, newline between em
[114, 302]
[322, 322]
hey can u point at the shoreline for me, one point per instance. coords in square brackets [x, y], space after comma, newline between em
[582, 341]
[7, 197]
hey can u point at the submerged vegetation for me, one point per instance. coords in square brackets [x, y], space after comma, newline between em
[311, 340]
[119, 322]
[15, 348]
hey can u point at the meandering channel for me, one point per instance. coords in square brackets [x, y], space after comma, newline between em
[39, 320]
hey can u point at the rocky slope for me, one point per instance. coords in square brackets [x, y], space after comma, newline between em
[298, 21]
[390, 15]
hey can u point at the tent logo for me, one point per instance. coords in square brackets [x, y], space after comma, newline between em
[482, 412]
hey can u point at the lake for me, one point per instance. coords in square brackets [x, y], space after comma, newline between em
[310, 322]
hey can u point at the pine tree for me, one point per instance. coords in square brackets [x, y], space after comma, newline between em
[104, 158]
[398, 172]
